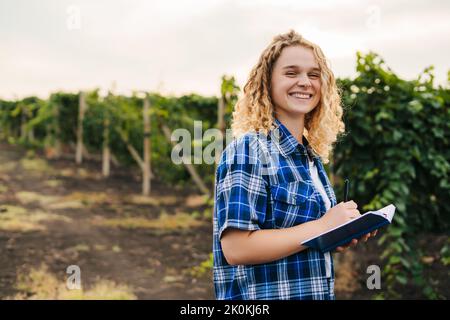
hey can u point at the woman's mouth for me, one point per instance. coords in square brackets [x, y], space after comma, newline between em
[301, 95]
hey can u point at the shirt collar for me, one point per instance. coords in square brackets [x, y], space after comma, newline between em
[287, 144]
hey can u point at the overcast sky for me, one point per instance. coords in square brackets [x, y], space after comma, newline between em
[179, 47]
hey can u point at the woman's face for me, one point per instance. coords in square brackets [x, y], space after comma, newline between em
[295, 83]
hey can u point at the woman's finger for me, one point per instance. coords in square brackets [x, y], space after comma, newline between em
[351, 204]
[355, 213]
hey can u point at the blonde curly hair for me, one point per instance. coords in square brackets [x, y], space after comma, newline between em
[254, 111]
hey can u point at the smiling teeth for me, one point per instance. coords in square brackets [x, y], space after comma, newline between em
[301, 95]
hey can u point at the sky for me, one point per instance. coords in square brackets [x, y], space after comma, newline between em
[182, 47]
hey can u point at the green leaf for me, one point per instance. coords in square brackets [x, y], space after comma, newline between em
[401, 279]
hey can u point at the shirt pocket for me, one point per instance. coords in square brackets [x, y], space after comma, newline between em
[293, 203]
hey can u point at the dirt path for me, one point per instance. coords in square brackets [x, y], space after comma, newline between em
[54, 214]
[81, 219]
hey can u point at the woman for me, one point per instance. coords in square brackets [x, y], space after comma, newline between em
[272, 191]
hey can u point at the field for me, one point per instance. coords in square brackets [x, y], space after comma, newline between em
[54, 214]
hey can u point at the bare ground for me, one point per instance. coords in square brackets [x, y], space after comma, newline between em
[110, 232]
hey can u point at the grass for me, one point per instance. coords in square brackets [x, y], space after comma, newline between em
[116, 249]
[172, 275]
[39, 166]
[193, 201]
[149, 200]
[80, 173]
[163, 222]
[3, 189]
[27, 197]
[15, 218]
[82, 247]
[8, 166]
[75, 200]
[40, 284]
[53, 183]
[66, 205]
[202, 269]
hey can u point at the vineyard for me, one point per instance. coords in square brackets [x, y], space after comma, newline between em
[89, 180]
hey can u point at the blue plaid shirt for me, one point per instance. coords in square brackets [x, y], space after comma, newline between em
[264, 182]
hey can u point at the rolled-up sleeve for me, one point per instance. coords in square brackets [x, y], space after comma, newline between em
[241, 191]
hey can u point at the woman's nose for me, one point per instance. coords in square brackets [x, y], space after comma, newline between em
[303, 80]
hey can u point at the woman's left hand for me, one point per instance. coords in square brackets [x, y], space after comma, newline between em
[354, 242]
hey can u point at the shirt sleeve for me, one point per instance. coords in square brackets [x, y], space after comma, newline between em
[241, 191]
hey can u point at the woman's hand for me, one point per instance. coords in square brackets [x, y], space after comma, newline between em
[342, 213]
[339, 214]
[354, 242]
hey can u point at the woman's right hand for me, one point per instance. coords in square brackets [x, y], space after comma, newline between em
[339, 214]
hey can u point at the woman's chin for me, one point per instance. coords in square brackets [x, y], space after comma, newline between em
[300, 107]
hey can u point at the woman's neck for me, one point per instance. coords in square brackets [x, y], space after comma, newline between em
[295, 125]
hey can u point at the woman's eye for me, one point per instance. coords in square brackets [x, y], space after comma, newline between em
[314, 75]
[290, 74]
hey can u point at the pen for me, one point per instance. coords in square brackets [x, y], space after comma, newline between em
[346, 187]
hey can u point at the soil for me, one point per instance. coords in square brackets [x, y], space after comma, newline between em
[153, 262]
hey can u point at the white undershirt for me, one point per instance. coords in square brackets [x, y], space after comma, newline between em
[319, 186]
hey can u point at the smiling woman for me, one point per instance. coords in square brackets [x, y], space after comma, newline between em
[295, 88]
[272, 191]
[292, 65]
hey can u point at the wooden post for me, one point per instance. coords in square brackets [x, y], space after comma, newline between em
[56, 131]
[146, 181]
[23, 122]
[221, 115]
[106, 156]
[133, 152]
[30, 132]
[81, 109]
[221, 123]
[190, 168]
